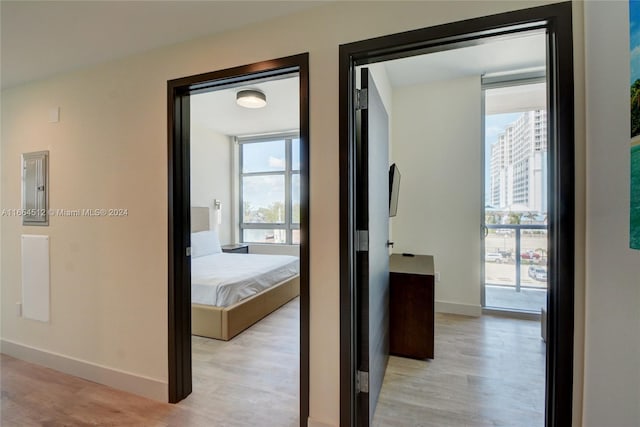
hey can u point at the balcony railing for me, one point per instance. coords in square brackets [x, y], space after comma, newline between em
[513, 251]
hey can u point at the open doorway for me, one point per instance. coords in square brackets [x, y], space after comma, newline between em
[434, 110]
[364, 360]
[245, 235]
[238, 233]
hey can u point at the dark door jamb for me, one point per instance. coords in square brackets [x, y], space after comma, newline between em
[179, 224]
[557, 20]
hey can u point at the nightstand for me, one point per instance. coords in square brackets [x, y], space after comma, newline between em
[235, 248]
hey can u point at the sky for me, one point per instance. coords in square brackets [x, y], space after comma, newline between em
[268, 157]
[634, 28]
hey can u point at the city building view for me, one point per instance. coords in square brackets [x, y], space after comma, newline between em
[515, 242]
[518, 165]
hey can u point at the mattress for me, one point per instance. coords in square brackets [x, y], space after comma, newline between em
[225, 278]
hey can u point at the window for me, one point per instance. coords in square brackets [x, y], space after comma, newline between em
[270, 189]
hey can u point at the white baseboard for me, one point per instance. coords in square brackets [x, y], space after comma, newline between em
[455, 308]
[314, 423]
[132, 383]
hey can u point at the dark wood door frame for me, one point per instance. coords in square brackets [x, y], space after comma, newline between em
[178, 93]
[557, 20]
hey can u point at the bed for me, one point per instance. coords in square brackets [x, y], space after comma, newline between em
[231, 291]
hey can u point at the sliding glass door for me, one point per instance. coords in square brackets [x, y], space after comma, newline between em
[515, 243]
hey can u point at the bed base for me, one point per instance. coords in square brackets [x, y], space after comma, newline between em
[224, 323]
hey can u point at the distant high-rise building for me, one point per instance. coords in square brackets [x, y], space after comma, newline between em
[518, 164]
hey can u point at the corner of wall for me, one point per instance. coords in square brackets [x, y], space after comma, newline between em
[580, 209]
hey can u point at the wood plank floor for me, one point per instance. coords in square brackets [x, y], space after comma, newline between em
[252, 379]
[249, 381]
[487, 371]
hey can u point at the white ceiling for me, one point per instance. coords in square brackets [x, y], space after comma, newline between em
[219, 112]
[518, 53]
[41, 38]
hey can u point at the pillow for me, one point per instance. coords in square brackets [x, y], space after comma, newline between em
[205, 243]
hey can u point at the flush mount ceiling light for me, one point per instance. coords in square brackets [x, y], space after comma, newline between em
[251, 98]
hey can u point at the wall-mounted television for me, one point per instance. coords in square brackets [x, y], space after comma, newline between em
[394, 187]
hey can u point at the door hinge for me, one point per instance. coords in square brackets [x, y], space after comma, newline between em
[362, 382]
[362, 240]
[362, 99]
[188, 251]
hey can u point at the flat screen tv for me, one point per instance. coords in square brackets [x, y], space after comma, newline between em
[394, 187]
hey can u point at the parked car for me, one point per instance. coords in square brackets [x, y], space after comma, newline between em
[538, 273]
[506, 254]
[493, 257]
[530, 256]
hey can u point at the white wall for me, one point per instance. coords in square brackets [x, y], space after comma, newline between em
[211, 176]
[109, 275]
[612, 324]
[437, 147]
[381, 78]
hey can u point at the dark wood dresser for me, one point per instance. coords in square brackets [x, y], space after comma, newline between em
[411, 306]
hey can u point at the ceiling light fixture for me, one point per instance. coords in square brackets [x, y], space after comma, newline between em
[251, 98]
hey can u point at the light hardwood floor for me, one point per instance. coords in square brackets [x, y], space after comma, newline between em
[251, 380]
[487, 371]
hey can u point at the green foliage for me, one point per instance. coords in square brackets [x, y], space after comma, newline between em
[514, 218]
[274, 213]
[635, 198]
[635, 108]
[295, 214]
[491, 218]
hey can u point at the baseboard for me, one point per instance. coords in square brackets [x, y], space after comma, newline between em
[313, 423]
[126, 381]
[512, 314]
[455, 308]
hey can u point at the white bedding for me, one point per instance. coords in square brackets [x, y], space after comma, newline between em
[225, 278]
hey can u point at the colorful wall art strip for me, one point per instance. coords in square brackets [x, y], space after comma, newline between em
[634, 26]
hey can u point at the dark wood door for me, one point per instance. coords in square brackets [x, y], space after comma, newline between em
[372, 257]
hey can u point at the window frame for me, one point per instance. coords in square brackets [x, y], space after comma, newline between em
[288, 225]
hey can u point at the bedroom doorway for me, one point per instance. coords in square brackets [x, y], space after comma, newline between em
[362, 360]
[432, 105]
[239, 189]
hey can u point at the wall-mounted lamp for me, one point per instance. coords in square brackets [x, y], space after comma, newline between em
[217, 205]
[251, 98]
